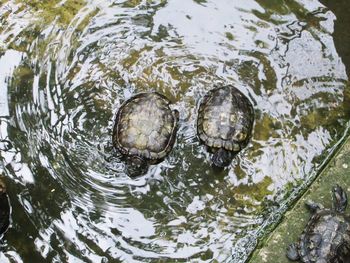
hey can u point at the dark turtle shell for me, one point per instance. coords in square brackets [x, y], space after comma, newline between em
[326, 237]
[5, 209]
[225, 119]
[145, 126]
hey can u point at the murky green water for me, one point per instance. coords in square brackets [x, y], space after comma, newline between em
[66, 66]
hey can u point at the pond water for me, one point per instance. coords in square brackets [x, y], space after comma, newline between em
[65, 68]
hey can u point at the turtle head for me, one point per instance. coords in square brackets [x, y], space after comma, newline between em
[340, 199]
[222, 158]
[136, 166]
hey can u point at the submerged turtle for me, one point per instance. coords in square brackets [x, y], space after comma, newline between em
[326, 237]
[224, 124]
[4, 209]
[145, 129]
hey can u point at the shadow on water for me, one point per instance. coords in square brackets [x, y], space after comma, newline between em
[341, 34]
[65, 68]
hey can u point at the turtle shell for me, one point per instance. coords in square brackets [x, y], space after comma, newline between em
[145, 126]
[326, 238]
[225, 119]
[5, 209]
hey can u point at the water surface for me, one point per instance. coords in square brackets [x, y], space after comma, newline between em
[65, 68]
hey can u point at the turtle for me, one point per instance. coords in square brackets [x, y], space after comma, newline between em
[224, 123]
[145, 129]
[326, 237]
[5, 209]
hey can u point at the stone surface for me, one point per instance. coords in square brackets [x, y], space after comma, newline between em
[337, 171]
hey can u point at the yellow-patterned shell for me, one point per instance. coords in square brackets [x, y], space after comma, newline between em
[145, 126]
[225, 119]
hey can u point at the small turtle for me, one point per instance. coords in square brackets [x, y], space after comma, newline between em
[326, 237]
[145, 129]
[224, 124]
[5, 209]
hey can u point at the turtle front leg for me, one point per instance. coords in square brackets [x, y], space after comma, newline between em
[340, 199]
[292, 252]
[312, 206]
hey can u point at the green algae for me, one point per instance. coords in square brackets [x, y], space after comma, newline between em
[87, 20]
[52, 9]
[132, 3]
[21, 83]
[134, 56]
[161, 34]
[257, 191]
[266, 127]
[229, 36]
[200, 1]
[253, 197]
[26, 37]
[44, 13]
[140, 3]
[284, 7]
[4, 20]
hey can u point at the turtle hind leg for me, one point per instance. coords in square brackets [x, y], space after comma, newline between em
[292, 252]
[340, 199]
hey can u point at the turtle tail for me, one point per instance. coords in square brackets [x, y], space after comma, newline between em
[222, 158]
[136, 166]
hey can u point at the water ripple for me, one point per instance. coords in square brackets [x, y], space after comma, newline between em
[65, 79]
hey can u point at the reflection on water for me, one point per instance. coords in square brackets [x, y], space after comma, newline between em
[66, 66]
